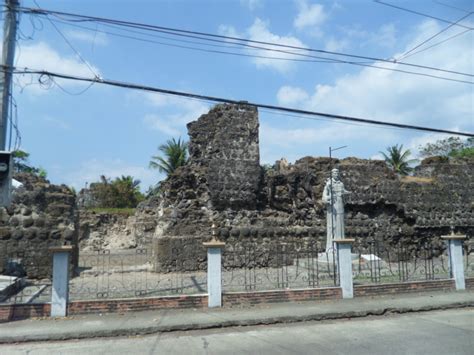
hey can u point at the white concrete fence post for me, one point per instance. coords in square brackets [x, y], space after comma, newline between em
[344, 266]
[60, 288]
[456, 261]
[214, 273]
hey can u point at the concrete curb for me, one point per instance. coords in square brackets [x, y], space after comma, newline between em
[226, 324]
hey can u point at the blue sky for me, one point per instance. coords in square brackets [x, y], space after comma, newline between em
[113, 131]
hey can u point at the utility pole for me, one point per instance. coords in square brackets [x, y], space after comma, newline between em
[6, 73]
[8, 55]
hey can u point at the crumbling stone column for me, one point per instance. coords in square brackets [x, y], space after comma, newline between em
[225, 140]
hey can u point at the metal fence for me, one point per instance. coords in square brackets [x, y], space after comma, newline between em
[377, 262]
[129, 273]
[249, 266]
[253, 266]
[26, 275]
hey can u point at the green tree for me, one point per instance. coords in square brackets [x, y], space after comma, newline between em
[128, 191]
[463, 153]
[467, 150]
[20, 161]
[123, 192]
[21, 164]
[397, 159]
[444, 147]
[175, 154]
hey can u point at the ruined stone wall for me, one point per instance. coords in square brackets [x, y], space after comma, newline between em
[41, 216]
[102, 231]
[225, 141]
[284, 203]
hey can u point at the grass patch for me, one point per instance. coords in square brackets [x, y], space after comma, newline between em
[417, 179]
[120, 211]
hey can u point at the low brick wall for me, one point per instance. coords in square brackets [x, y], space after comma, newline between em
[470, 283]
[23, 311]
[137, 304]
[231, 299]
[258, 297]
[406, 287]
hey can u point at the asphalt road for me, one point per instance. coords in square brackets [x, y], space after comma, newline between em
[440, 332]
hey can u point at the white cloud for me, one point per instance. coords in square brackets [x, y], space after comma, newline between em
[173, 113]
[252, 4]
[42, 56]
[377, 156]
[389, 96]
[93, 38]
[314, 139]
[392, 96]
[335, 45]
[309, 15]
[90, 171]
[259, 31]
[290, 95]
[416, 143]
[384, 37]
[230, 31]
[325, 134]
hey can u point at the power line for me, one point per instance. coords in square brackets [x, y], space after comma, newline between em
[317, 59]
[404, 55]
[72, 47]
[421, 14]
[328, 60]
[438, 43]
[235, 102]
[451, 6]
[226, 39]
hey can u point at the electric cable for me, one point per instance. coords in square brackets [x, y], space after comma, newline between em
[319, 58]
[235, 102]
[404, 55]
[421, 14]
[216, 37]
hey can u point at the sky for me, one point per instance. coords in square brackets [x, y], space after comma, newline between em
[78, 133]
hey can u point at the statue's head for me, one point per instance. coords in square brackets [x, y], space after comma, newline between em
[335, 174]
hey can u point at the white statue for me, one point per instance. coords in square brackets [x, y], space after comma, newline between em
[333, 197]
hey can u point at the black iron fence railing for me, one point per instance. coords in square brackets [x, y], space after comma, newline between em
[378, 262]
[129, 273]
[249, 266]
[254, 266]
[25, 275]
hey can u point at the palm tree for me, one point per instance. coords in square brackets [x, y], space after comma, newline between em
[397, 159]
[175, 155]
[127, 192]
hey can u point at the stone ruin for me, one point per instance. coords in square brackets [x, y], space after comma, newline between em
[224, 184]
[42, 215]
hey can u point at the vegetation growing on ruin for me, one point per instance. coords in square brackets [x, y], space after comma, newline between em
[122, 192]
[21, 164]
[121, 211]
[451, 147]
[398, 160]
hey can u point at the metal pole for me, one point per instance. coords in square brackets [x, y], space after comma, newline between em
[8, 55]
[332, 200]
